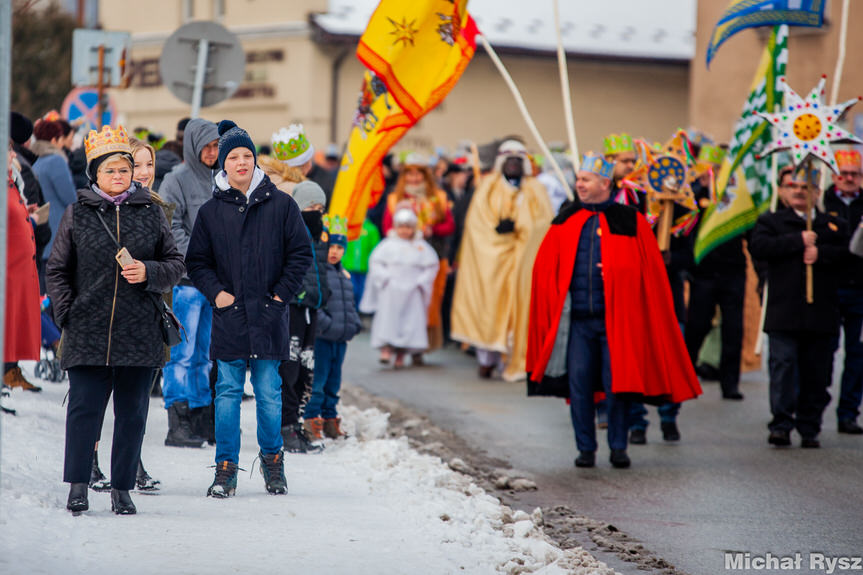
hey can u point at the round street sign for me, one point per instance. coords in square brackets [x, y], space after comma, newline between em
[224, 64]
[83, 103]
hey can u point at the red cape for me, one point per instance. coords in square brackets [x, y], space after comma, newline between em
[649, 361]
[23, 324]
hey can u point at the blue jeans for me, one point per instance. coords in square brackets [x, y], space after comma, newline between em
[589, 369]
[187, 374]
[637, 416]
[268, 406]
[359, 282]
[851, 390]
[329, 356]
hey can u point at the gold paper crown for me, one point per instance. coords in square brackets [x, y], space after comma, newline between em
[107, 141]
[617, 144]
[849, 159]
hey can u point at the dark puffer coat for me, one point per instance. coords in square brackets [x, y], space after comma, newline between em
[253, 250]
[339, 320]
[105, 319]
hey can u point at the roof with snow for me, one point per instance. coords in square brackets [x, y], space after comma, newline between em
[627, 29]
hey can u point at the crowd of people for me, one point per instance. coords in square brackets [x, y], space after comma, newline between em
[119, 241]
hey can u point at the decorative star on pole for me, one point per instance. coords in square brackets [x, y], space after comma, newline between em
[806, 126]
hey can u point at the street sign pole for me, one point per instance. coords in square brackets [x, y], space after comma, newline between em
[100, 108]
[5, 86]
[200, 75]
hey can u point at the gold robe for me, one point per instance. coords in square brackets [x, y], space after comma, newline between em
[489, 311]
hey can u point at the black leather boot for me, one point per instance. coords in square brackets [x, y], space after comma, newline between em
[98, 481]
[180, 427]
[121, 502]
[143, 481]
[77, 501]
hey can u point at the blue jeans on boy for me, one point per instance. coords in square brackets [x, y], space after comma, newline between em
[589, 364]
[329, 356]
[268, 406]
[186, 377]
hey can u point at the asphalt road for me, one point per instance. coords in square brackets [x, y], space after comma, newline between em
[721, 488]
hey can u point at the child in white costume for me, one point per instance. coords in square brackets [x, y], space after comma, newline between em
[402, 270]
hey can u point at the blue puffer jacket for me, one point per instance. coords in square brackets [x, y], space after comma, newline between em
[339, 320]
[253, 250]
[587, 287]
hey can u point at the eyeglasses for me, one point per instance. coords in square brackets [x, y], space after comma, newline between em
[851, 175]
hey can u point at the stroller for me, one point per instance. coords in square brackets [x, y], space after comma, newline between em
[48, 366]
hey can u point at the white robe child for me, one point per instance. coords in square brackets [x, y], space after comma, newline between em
[398, 291]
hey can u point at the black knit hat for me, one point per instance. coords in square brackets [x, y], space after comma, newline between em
[232, 136]
[20, 128]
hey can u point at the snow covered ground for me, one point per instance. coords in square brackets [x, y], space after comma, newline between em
[367, 505]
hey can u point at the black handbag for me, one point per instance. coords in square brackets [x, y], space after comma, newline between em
[172, 330]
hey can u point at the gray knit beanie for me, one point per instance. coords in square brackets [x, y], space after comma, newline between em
[308, 193]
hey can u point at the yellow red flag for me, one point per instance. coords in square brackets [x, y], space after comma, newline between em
[416, 52]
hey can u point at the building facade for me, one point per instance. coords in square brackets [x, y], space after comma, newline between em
[298, 70]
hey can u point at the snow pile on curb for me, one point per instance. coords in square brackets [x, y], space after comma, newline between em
[367, 505]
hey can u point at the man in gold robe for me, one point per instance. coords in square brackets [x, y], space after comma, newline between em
[507, 218]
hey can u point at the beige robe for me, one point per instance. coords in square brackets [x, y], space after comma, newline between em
[492, 292]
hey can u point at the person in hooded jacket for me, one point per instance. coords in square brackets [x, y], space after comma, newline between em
[298, 372]
[248, 254]
[186, 377]
[112, 342]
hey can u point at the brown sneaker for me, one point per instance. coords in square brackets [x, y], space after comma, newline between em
[314, 428]
[333, 428]
[14, 378]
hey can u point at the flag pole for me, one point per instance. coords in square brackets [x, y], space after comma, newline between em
[564, 86]
[523, 109]
[774, 203]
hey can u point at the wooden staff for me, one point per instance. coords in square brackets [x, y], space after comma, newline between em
[810, 186]
[670, 189]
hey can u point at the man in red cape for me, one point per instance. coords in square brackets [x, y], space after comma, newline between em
[602, 317]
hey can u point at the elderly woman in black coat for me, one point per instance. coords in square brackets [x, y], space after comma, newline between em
[109, 313]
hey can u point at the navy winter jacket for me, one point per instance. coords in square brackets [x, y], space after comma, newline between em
[339, 320]
[587, 288]
[253, 250]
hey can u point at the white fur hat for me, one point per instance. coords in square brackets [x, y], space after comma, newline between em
[512, 149]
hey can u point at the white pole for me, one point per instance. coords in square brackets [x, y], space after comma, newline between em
[840, 60]
[521, 106]
[5, 85]
[837, 76]
[564, 86]
[200, 74]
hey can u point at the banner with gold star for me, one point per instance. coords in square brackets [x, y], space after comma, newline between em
[419, 49]
[416, 52]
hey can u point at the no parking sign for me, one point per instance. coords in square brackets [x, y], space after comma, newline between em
[83, 104]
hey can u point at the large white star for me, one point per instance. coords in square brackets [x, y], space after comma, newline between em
[807, 127]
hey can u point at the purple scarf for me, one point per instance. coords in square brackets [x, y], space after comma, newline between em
[116, 200]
